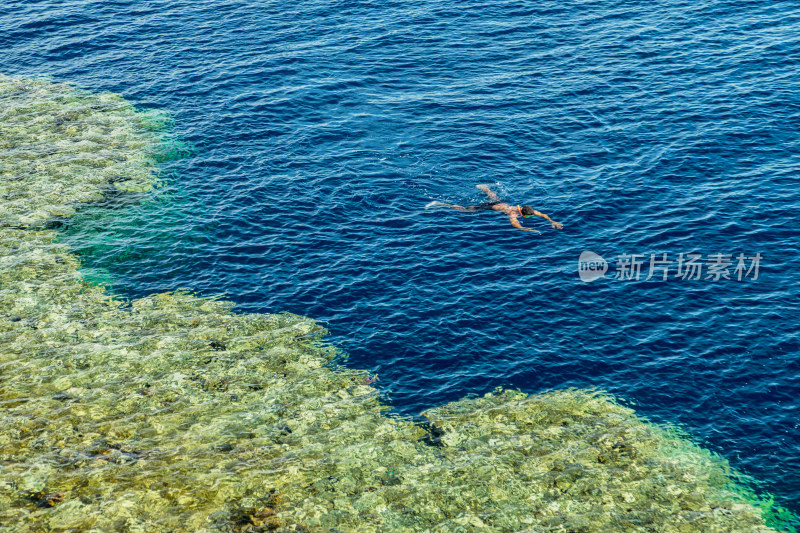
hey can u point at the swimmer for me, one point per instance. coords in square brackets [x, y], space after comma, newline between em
[513, 212]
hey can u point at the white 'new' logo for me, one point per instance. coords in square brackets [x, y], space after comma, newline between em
[591, 266]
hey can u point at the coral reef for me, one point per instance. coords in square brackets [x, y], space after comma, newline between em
[172, 413]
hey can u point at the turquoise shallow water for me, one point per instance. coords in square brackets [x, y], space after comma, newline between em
[322, 130]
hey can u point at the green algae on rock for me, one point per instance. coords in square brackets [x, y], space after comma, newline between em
[62, 146]
[172, 413]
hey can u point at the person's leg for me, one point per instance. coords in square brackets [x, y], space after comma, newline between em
[459, 207]
[490, 193]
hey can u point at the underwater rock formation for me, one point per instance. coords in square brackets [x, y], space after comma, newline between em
[172, 413]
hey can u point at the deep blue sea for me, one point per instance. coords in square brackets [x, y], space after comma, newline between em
[322, 128]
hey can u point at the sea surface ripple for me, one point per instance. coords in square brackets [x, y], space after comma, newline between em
[322, 128]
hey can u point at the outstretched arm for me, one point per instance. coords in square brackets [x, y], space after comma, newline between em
[516, 224]
[557, 225]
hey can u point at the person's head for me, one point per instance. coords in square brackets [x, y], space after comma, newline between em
[527, 211]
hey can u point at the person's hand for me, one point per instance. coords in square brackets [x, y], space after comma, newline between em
[557, 225]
